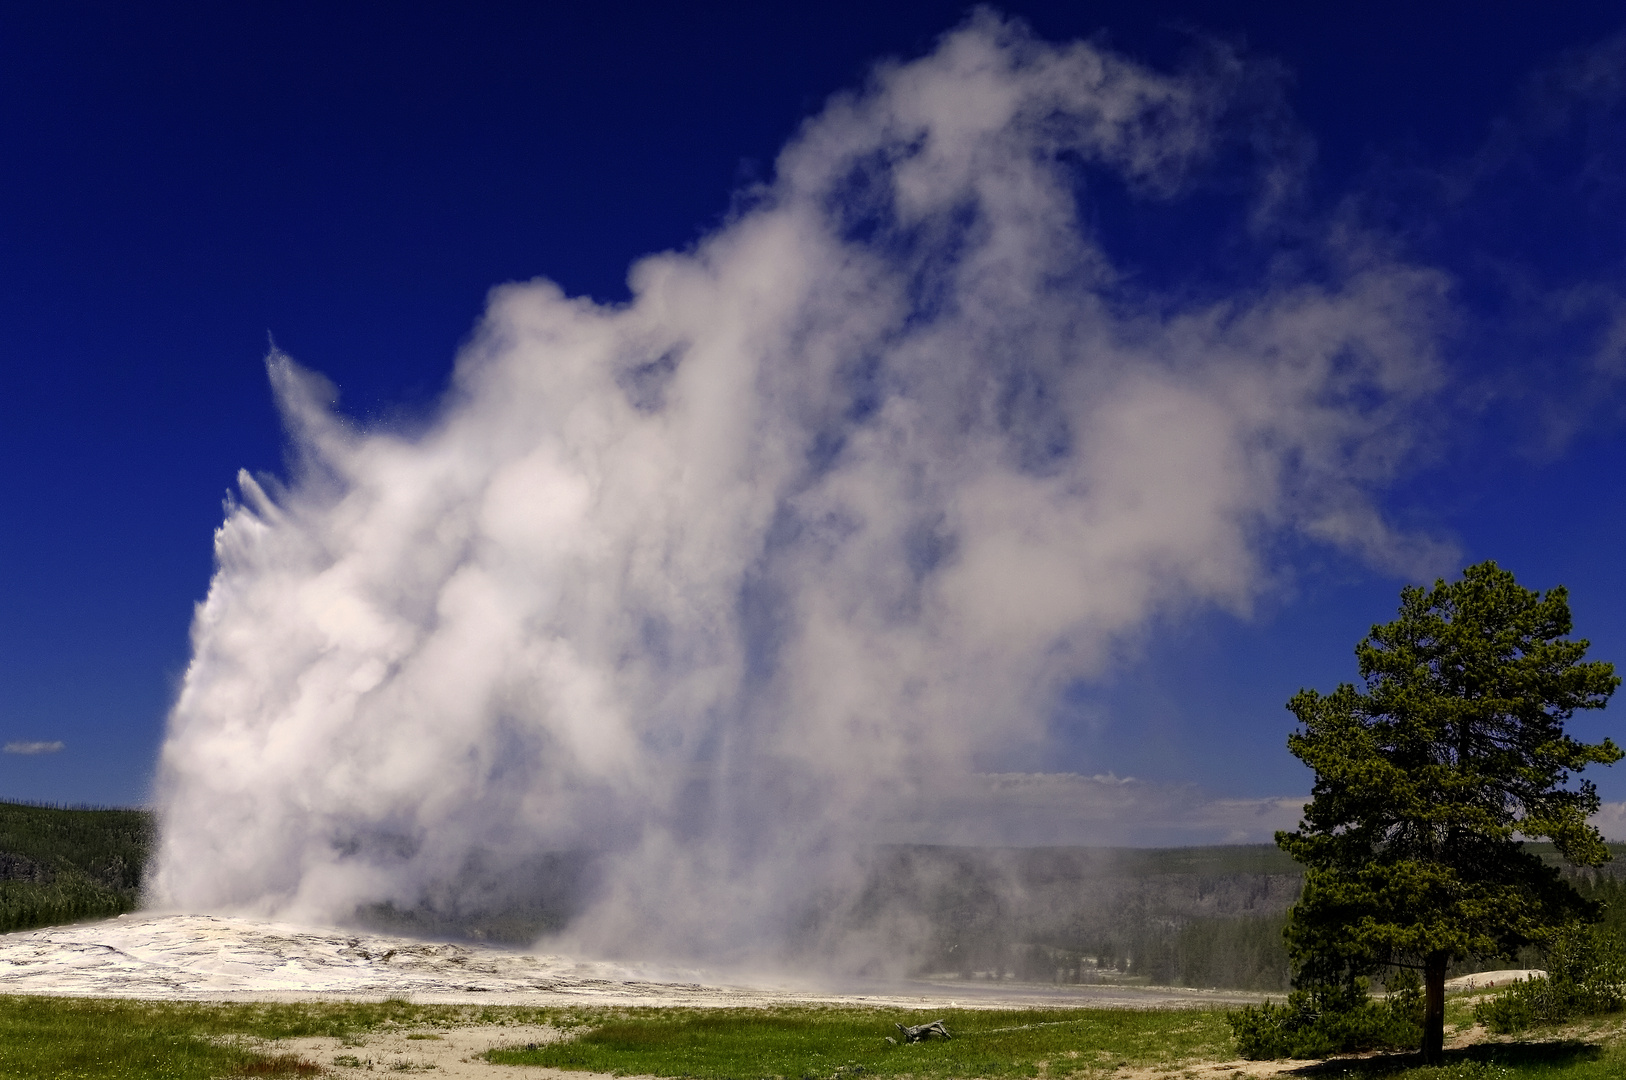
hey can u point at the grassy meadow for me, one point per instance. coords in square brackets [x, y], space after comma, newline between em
[831, 1042]
[803, 1044]
[71, 1038]
[61, 1038]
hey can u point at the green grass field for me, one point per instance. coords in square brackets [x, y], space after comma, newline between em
[70, 1038]
[802, 1044]
[828, 1042]
[60, 1038]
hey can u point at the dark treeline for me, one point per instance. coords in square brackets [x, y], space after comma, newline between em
[60, 865]
[1610, 889]
[1201, 917]
[1175, 916]
[1183, 916]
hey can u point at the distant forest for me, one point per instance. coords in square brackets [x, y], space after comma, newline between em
[1200, 917]
[1209, 916]
[60, 865]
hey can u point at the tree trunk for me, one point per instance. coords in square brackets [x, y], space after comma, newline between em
[1434, 1008]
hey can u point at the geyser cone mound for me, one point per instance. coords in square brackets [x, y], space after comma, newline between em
[212, 958]
[205, 956]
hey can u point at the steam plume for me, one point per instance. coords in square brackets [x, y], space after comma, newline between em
[715, 579]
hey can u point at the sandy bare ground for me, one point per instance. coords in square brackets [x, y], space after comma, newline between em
[1486, 980]
[446, 1052]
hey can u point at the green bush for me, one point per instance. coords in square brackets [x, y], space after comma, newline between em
[1320, 1021]
[1586, 976]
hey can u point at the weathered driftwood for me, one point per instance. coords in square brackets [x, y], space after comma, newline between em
[922, 1032]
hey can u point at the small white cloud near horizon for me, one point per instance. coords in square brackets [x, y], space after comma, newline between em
[34, 747]
[1611, 821]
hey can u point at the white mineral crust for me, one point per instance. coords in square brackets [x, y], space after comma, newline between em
[204, 956]
[211, 957]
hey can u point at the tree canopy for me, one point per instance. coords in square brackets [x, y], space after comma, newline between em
[1430, 779]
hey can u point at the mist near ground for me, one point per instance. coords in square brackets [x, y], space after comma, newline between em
[729, 582]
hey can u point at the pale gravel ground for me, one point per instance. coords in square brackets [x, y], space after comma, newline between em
[452, 1053]
[1486, 980]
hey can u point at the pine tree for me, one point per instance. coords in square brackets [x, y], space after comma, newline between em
[1430, 780]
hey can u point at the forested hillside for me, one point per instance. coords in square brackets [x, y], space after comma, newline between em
[59, 865]
[1206, 916]
[1202, 917]
[1184, 916]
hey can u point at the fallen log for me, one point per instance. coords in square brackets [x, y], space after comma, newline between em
[922, 1032]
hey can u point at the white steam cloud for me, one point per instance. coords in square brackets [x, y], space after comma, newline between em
[716, 580]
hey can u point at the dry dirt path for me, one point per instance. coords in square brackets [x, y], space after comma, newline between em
[447, 1053]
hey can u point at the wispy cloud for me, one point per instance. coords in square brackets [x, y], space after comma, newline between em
[21, 747]
[1528, 218]
[1611, 821]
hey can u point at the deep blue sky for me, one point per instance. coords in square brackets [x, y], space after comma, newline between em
[179, 181]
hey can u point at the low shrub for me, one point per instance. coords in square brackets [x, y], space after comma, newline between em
[1586, 976]
[1321, 1021]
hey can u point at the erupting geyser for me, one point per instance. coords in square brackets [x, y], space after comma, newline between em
[712, 581]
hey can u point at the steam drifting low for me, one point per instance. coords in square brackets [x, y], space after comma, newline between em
[713, 581]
